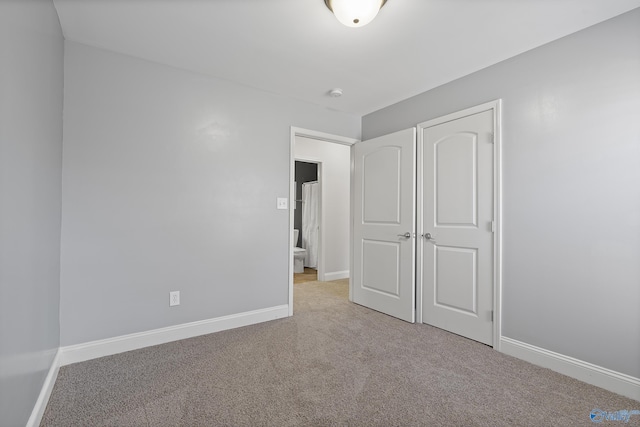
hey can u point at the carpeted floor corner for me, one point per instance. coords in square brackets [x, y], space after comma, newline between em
[333, 363]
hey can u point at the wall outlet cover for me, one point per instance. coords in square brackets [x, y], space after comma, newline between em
[174, 298]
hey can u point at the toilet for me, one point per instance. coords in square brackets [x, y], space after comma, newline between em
[299, 254]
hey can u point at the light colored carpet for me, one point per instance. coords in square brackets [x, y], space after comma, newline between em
[333, 363]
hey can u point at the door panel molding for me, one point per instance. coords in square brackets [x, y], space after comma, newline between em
[374, 210]
[442, 296]
[383, 279]
[455, 212]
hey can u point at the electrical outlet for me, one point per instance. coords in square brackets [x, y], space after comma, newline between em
[174, 298]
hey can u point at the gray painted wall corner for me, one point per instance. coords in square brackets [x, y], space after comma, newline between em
[31, 78]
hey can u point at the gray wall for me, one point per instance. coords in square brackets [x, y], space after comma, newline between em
[304, 172]
[170, 183]
[571, 171]
[31, 68]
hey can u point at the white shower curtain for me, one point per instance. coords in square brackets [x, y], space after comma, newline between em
[310, 223]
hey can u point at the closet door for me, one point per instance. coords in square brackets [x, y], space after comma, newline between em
[455, 221]
[384, 224]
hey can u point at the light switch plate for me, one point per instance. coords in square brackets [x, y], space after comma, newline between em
[282, 203]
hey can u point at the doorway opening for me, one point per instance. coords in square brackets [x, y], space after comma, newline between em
[306, 221]
[332, 155]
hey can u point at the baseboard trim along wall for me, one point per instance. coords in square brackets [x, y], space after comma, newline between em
[608, 379]
[45, 392]
[100, 348]
[336, 275]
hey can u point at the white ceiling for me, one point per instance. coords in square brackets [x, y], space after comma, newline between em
[298, 49]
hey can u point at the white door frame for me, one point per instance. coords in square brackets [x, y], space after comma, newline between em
[320, 136]
[496, 106]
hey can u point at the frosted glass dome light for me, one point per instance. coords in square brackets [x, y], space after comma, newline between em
[355, 13]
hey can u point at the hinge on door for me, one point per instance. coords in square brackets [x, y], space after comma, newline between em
[492, 138]
[493, 226]
[491, 314]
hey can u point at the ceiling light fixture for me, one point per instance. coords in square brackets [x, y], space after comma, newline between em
[355, 13]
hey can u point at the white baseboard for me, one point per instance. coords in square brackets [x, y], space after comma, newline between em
[45, 392]
[336, 275]
[100, 348]
[608, 379]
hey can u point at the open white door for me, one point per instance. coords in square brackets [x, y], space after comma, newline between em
[384, 183]
[456, 220]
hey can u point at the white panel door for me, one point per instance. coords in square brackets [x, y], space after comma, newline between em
[384, 224]
[455, 215]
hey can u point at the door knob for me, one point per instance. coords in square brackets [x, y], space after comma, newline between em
[406, 235]
[428, 236]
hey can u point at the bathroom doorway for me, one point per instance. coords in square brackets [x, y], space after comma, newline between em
[332, 156]
[306, 221]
